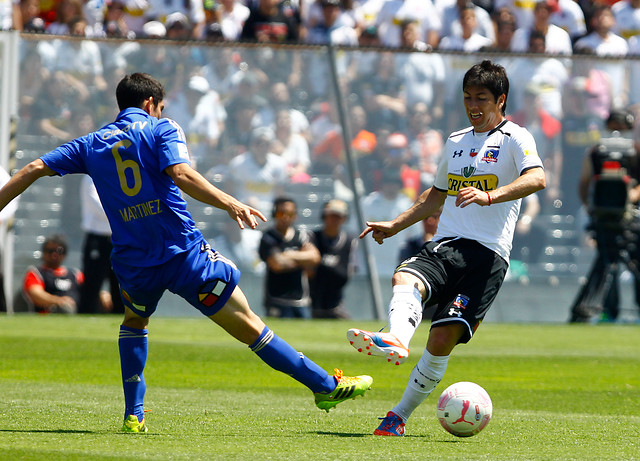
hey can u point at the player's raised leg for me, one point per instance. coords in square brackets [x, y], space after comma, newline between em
[237, 318]
[405, 314]
[134, 347]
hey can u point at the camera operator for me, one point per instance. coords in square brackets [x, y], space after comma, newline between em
[609, 188]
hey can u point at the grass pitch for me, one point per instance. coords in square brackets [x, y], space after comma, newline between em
[559, 392]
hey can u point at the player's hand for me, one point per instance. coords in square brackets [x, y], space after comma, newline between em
[379, 231]
[245, 214]
[468, 195]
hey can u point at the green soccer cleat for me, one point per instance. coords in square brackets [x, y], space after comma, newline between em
[349, 387]
[131, 424]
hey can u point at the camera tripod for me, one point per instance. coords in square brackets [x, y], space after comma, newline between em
[616, 243]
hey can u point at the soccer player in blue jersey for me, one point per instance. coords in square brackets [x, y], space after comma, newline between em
[139, 164]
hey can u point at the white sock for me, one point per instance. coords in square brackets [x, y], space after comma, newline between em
[423, 380]
[405, 312]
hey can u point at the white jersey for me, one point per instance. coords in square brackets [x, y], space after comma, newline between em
[485, 161]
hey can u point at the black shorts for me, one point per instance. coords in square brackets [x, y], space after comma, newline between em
[462, 278]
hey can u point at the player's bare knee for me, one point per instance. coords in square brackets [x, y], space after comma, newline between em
[404, 278]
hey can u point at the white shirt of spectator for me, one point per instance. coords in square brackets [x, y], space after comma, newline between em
[521, 9]
[394, 12]
[549, 74]
[612, 45]
[232, 22]
[451, 22]
[569, 17]
[556, 41]
[627, 19]
[492, 226]
[160, 9]
[94, 219]
[255, 184]
[457, 43]
[423, 74]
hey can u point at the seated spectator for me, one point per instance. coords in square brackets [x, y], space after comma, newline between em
[451, 20]
[258, 175]
[114, 23]
[30, 15]
[331, 29]
[192, 11]
[53, 287]
[602, 40]
[627, 16]
[229, 14]
[557, 40]
[288, 253]
[410, 36]
[338, 261]
[178, 27]
[52, 109]
[292, 147]
[382, 93]
[135, 15]
[570, 17]
[66, 10]
[505, 30]
[242, 114]
[199, 111]
[394, 12]
[272, 21]
[470, 40]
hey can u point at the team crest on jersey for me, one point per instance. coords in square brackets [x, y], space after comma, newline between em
[491, 155]
[210, 292]
[473, 152]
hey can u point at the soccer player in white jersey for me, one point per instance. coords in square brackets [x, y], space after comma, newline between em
[485, 171]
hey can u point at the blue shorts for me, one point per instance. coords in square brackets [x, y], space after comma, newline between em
[202, 276]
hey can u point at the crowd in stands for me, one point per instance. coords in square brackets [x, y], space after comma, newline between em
[602, 27]
[260, 119]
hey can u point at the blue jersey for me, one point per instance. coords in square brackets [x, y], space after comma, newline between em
[126, 160]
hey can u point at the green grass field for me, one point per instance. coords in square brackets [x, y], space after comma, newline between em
[559, 392]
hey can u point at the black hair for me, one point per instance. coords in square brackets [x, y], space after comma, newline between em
[279, 201]
[135, 88]
[491, 76]
[621, 117]
[57, 239]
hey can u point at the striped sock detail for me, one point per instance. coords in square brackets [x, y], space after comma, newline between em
[264, 339]
[126, 332]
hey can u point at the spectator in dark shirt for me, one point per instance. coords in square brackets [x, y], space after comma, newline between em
[272, 21]
[288, 253]
[337, 249]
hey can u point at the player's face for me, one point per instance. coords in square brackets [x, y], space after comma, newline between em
[483, 111]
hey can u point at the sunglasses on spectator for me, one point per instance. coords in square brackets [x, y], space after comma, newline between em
[58, 250]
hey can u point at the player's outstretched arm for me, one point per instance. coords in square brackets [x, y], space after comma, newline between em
[428, 203]
[194, 184]
[22, 180]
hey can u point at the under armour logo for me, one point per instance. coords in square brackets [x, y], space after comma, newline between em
[419, 383]
[457, 153]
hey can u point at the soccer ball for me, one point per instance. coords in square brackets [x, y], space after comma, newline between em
[464, 409]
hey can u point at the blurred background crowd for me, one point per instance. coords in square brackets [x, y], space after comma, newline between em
[261, 114]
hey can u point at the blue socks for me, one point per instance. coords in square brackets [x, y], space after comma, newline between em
[134, 347]
[279, 355]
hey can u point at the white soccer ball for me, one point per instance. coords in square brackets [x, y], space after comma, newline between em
[464, 409]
